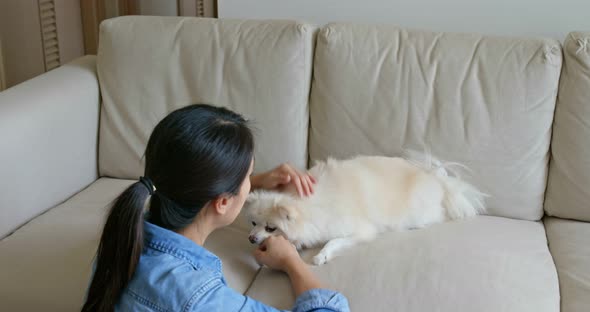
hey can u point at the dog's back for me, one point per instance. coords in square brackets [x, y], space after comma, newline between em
[391, 192]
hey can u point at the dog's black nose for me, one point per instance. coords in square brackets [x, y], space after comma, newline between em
[252, 239]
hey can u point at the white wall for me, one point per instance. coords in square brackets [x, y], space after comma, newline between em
[554, 18]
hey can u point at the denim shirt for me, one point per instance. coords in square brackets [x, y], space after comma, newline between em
[175, 274]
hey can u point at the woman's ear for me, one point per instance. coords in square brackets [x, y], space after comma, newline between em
[221, 204]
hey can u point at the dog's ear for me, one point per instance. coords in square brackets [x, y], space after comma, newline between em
[251, 198]
[288, 213]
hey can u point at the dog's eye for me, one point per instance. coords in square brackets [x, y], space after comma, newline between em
[270, 229]
[253, 223]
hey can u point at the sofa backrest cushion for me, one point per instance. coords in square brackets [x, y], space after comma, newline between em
[149, 66]
[486, 102]
[568, 189]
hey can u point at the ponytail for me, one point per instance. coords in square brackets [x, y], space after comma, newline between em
[119, 248]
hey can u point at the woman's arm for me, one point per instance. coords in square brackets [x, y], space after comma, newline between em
[302, 279]
[220, 297]
[278, 253]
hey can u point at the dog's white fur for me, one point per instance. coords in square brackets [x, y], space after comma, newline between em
[356, 199]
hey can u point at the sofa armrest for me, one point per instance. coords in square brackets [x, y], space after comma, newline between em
[48, 141]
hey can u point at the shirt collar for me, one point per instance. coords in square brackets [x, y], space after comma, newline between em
[172, 243]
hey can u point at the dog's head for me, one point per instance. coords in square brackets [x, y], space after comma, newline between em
[271, 213]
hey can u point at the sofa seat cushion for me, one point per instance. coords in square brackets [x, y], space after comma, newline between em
[482, 264]
[46, 264]
[570, 247]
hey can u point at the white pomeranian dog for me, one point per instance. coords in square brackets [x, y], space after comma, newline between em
[356, 199]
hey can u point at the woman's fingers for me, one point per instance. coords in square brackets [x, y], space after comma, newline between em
[298, 185]
[305, 183]
[309, 183]
[258, 255]
[282, 178]
[295, 179]
[312, 178]
[278, 254]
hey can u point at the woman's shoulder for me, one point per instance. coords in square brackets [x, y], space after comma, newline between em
[168, 282]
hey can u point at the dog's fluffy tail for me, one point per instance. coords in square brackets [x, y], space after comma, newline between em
[461, 199]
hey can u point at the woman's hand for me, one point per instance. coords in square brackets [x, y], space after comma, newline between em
[277, 253]
[282, 177]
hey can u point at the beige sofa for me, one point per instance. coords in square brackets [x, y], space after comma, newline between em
[515, 110]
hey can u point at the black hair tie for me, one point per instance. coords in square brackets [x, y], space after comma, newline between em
[148, 184]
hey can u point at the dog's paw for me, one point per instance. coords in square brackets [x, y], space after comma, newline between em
[320, 259]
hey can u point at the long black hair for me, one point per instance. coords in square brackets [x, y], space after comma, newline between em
[194, 155]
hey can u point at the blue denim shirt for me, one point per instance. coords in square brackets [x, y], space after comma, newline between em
[175, 274]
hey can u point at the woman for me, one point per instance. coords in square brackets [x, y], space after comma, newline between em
[197, 176]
